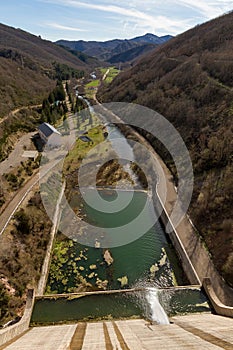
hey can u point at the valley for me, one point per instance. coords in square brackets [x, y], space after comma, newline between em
[138, 128]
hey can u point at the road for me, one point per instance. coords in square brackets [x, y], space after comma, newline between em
[14, 204]
[13, 161]
[6, 166]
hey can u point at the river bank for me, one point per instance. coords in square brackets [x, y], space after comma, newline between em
[193, 245]
[76, 267]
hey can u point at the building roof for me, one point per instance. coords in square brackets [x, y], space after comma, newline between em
[30, 154]
[85, 138]
[48, 129]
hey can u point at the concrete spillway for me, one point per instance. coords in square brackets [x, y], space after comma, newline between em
[205, 331]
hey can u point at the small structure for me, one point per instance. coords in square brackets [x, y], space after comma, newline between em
[30, 154]
[50, 135]
[85, 138]
[93, 75]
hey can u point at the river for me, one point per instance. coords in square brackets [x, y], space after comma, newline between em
[148, 262]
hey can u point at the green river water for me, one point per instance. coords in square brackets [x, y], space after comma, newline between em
[148, 262]
[133, 260]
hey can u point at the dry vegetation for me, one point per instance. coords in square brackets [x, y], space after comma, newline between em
[22, 250]
[190, 81]
[28, 67]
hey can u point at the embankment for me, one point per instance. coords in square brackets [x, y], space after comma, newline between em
[189, 245]
[14, 331]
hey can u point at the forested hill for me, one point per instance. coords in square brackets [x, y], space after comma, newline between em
[190, 81]
[28, 67]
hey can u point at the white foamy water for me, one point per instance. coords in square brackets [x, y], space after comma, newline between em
[158, 314]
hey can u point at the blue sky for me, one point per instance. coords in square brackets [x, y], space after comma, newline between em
[108, 19]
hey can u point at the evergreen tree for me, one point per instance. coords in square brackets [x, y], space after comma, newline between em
[51, 98]
[67, 88]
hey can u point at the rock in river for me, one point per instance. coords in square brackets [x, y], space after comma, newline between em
[108, 258]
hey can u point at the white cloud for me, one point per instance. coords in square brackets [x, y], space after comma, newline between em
[202, 7]
[208, 8]
[123, 11]
[138, 8]
[137, 16]
[59, 26]
[132, 17]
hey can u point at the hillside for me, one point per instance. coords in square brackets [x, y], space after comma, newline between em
[115, 51]
[89, 60]
[28, 67]
[190, 81]
[131, 54]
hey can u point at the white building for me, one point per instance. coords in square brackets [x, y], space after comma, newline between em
[50, 135]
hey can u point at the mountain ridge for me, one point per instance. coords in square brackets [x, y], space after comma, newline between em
[106, 50]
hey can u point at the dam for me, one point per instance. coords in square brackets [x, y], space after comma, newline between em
[205, 331]
[142, 315]
[146, 262]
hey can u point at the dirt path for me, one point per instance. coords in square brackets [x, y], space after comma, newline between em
[14, 204]
[18, 110]
[105, 75]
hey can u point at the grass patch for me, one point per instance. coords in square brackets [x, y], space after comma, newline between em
[103, 70]
[113, 72]
[93, 83]
[75, 156]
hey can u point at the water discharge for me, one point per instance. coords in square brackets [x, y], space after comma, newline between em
[158, 314]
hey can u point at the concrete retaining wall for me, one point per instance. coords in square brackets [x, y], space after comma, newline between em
[196, 260]
[199, 267]
[177, 244]
[47, 260]
[17, 329]
[219, 307]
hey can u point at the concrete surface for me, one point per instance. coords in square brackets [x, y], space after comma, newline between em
[218, 306]
[16, 156]
[46, 338]
[199, 331]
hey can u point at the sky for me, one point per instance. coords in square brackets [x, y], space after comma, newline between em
[108, 19]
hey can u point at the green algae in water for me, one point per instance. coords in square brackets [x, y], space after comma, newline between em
[74, 263]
